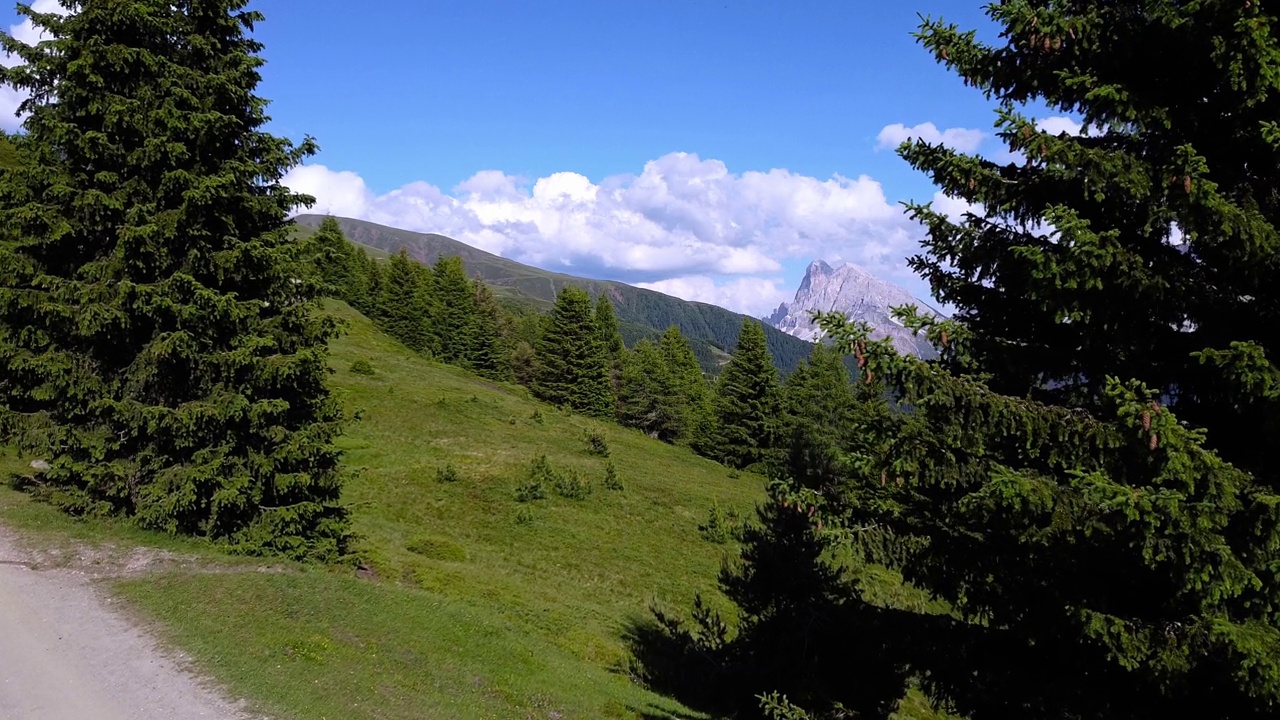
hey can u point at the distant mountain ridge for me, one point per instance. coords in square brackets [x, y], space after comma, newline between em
[860, 296]
[712, 330]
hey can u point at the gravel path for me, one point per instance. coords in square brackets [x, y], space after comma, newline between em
[66, 652]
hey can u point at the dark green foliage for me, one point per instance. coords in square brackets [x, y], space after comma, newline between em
[747, 403]
[336, 262]
[722, 525]
[490, 351]
[524, 364]
[689, 384]
[572, 369]
[597, 443]
[454, 321]
[405, 302]
[156, 343]
[370, 302]
[362, 367]
[612, 479]
[1084, 478]
[647, 396]
[541, 474]
[448, 474]
[607, 328]
[572, 485]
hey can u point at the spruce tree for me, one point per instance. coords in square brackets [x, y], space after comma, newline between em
[404, 308]
[369, 302]
[455, 323]
[490, 353]
[336, 262]
[155, 346]
[1084, 477]
[747, 402]
[607, 327]
[688, 384]
[572, 368]
[647, 395]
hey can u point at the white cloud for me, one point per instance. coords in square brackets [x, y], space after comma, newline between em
[954, 208]
[27, 33]
[959, 139]
[681, 221]
[1059, 125]
[753, 296]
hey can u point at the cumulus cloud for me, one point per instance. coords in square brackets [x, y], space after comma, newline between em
[959, 139]
[685, 225]
[1059, 125]
[751, 295]
[27, 33]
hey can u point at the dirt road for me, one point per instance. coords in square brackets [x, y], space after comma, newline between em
[66, 653]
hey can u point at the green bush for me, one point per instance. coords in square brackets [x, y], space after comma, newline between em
[597, 444]
[572, 485]
[448, 474]
[541, 474]
[537, 416]
[722, 525]
[362, 367]
[612, 480]
[524, 516]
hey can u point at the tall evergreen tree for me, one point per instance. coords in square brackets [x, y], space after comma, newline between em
[747, 402]
[454, 321]
[490, 354]
[607, 327]
[573, 369]
[336, 262]
[689, 384]
[647, 396]
[154, 344]
[1085, 476]
[404, 308]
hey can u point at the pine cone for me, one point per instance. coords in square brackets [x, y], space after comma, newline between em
[1155, 442]
[1146, 420]
[1186, 184]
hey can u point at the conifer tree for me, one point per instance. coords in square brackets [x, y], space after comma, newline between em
[490, 354]
[689, 385]
[404, 303]
[647, 396]
[1084, 477]
[454, 321]
[336, 262]
[747, 402]
[607, 327]
[370, 301]
[573, 369]
[155, 345]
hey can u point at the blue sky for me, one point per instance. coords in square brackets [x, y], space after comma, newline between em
[707, 149]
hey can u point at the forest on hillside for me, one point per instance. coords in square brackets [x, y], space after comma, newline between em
[1080, 484]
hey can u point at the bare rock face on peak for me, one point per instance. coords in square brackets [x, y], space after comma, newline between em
[860, 296]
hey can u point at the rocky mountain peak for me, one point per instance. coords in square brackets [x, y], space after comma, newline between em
[857, 293]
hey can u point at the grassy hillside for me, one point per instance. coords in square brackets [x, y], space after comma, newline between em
[481, 606]
[713, 328]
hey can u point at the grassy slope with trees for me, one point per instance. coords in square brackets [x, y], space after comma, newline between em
[483, 606]
[712, 330]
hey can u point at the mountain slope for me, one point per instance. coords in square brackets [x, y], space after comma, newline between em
[713, 330]
[858, 294]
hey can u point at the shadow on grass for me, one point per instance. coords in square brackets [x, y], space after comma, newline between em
[671, 664]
